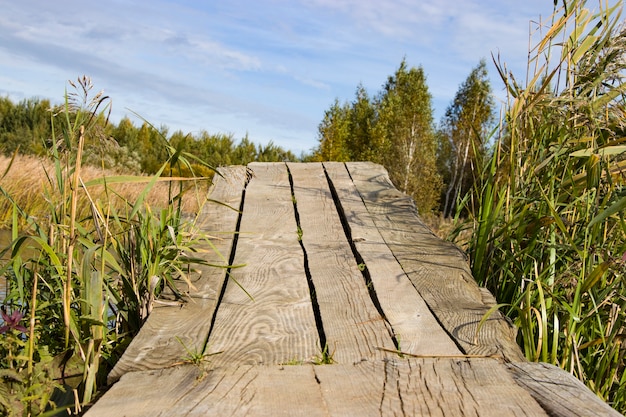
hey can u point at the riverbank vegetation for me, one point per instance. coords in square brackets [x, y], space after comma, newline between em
[395, 128]
[25, 129]
[89, 254]
[549, 238]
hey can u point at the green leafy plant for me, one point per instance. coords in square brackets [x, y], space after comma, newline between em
[87, 279]
[325, 357]
[198, 357]
[548, 235]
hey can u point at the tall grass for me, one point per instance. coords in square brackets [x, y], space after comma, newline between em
[549, 236]
[26, 177]
[85, 265]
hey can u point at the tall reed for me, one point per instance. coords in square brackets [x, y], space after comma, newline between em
[85, 278]
[549, 234]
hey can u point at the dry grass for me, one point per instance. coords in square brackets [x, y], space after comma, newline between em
[26, 181]
[449, 229]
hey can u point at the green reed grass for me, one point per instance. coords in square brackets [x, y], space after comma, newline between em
[549, 238]
[86, 278]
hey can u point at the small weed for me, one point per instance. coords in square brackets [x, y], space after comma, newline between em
[325, 357]
[361, 266]
[197, 357]
[397, 339]
[293, 362]
[299, 232]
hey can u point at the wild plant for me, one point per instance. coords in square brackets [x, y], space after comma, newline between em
[86, 282]
[325, 357]
[549, 235]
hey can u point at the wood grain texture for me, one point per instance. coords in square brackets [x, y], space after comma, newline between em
[261, 337]
[245, 390]
[217, 220]
[416, 329]
[278, 325]
[160, 341]
[559, 392]
[397, 387]
[425, 387]
[352, 325]
[437, 269]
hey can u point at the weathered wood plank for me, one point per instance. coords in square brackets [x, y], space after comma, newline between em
[261, 337]
[414, 387]
[437, 269]
[156, 346]
[352, 325]
[278, 325]
[559, 392]
[425, 387]
[415, 327]
[245, 390]
[218, 220]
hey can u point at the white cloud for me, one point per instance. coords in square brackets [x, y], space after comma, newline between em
[266, 66]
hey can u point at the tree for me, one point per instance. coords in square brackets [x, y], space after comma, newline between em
[151, 148]
[125, 133]
[360, 143]
[407, 140]
[345, 133]
[25, 125]
[245, 152]
[463, 136]
[333, 133]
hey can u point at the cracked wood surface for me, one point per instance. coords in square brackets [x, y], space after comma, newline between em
[162, 339]
[353, 327]
[437, 269]
[392, 387]
[334, 255]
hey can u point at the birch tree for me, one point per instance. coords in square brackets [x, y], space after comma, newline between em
[408, 145]
[465, 130]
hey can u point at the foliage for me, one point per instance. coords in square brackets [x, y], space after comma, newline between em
[394, 129]
[22, 124]
[408, 140]
[25, 128]
[464, 132]
[333, 132]
[86, 281]
[549, 235]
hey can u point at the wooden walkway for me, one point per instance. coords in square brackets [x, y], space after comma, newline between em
[335, 257]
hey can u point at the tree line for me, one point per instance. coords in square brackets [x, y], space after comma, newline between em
[436, 165]
[26, 127]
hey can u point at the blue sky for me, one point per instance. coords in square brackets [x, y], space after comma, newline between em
[268, 68]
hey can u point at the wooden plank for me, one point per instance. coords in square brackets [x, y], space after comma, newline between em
[259, 338]
[416, 329]
[218, 219]
[559, 392]
[160, 341]
[278, 325]
[263, 391]
[352, 325]
[425, 387]
[437, 269]
[414, 387]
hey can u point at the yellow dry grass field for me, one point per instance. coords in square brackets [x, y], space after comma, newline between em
[28, 182]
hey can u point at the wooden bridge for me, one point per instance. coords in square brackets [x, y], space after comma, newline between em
[354, 308]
